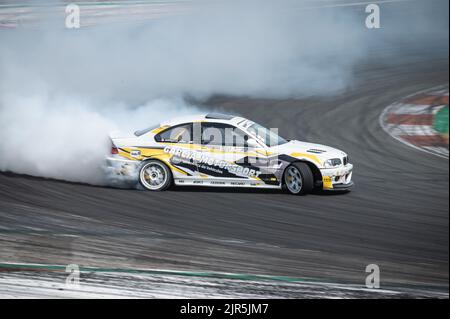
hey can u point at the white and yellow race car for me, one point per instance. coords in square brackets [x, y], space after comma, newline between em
[225, 151]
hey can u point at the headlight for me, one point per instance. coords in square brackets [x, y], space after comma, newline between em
[333, 162]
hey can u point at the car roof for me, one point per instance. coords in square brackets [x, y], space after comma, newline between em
[209, 117]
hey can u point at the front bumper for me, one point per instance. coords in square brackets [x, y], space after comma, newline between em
[339, 178]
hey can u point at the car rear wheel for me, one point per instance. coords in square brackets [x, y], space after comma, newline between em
[155, 176]
[298, 179]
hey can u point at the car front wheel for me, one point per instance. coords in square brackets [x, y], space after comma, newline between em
[298, 179]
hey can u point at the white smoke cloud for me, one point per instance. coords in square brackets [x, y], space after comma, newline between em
[67, 138]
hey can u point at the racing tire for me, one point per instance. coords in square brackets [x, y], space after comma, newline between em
[155, 176]
[298, 179]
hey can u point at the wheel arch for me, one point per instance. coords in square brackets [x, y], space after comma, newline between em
[148, 159]
[154, 159]
[314, 169]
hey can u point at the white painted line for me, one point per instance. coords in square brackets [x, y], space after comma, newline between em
[409, 109]
[411, 130]
[439, 150]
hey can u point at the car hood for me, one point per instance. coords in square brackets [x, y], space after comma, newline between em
[315, 152]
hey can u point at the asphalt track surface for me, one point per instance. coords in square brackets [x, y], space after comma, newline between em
[395, 217]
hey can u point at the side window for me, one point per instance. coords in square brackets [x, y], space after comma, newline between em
[219, 134]
[236, 137]
[178, 134]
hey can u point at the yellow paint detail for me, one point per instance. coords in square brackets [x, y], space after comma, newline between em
[262, 152]
[127, 155]
[173, 168]
[305, 155]
[146, 153]
[327, 183]
[158, 153]
[196, 147]
[160, 129]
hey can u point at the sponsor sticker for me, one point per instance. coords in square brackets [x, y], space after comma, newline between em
[327, 183]
[210, 163]
[135, 153]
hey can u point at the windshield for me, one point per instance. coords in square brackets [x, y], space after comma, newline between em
[266, 136]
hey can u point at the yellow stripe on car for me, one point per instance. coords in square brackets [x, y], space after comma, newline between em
[308, 156]
[160, 129]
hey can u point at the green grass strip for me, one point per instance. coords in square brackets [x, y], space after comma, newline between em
[440, 122]
[215, 275]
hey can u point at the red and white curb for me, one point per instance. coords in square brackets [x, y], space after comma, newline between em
[410, 120]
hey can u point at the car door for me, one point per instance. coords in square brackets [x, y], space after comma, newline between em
[178, 144]
[227, 156]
